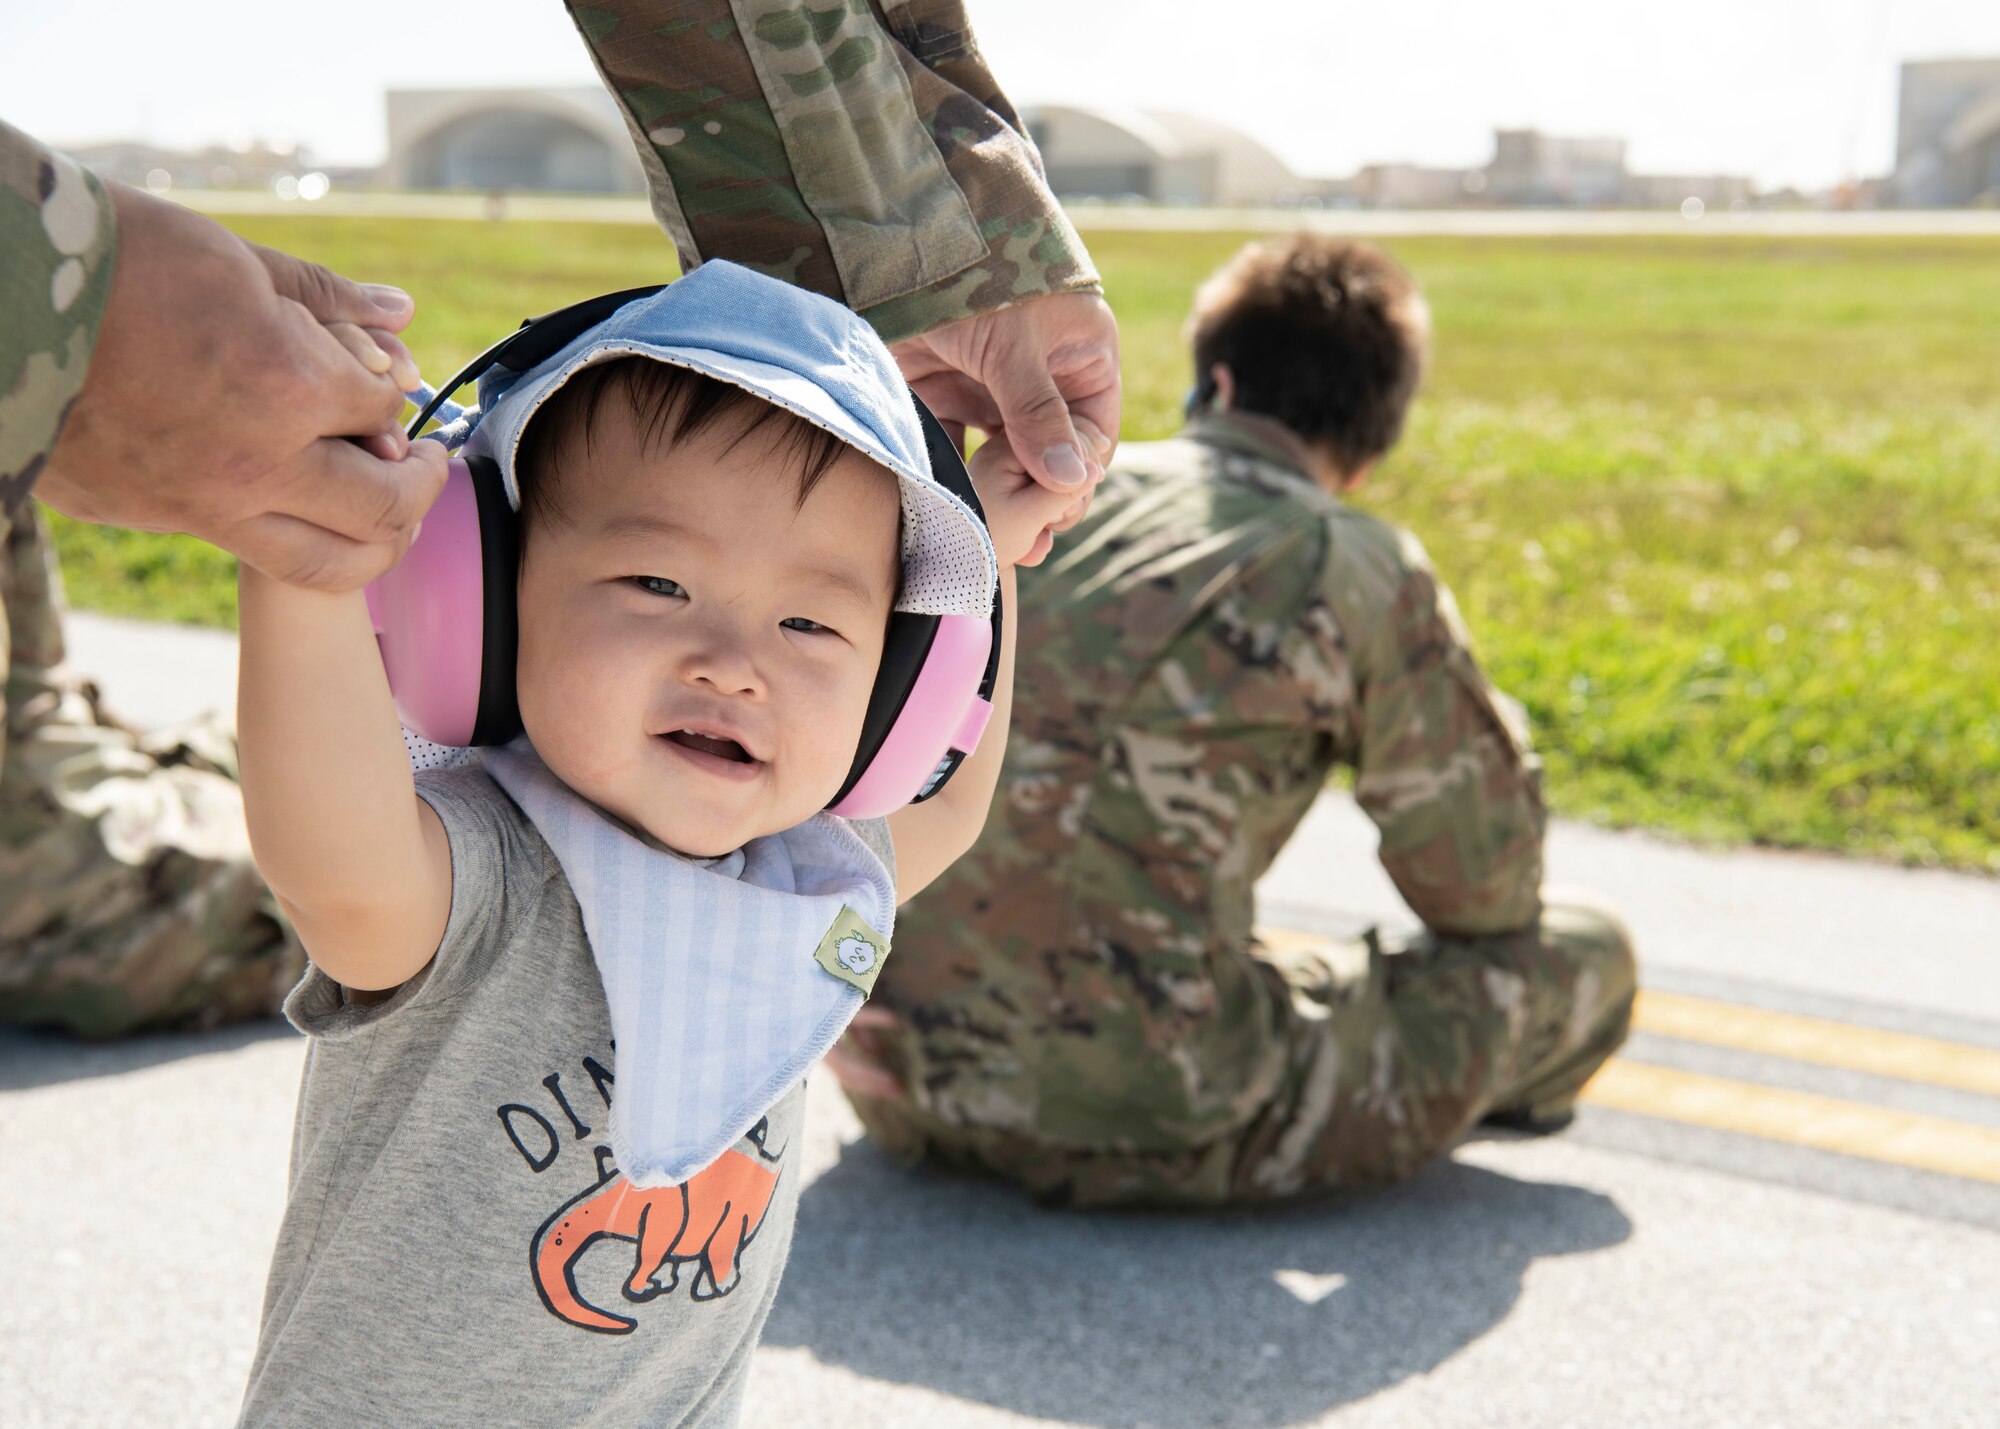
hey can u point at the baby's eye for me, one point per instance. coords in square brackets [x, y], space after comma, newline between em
[658, 585]
[809, 627]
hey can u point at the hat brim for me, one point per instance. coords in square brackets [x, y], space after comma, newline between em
[947, 554]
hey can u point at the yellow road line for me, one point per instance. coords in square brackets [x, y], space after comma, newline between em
[1827, 1044]
[1928, 1143]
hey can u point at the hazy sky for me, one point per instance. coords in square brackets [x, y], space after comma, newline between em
[1788, 91]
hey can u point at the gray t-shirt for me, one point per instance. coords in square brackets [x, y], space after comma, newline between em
[458, 1247]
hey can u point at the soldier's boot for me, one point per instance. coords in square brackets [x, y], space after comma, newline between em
[1591, 1017]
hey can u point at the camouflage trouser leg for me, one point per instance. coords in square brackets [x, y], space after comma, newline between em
[1392, 1050]
[127, 896]
[1444, 1032]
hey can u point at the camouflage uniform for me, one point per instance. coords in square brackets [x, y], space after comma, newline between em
[127, 894]
[866, 155]
[1083, 1007]
[863, 152]
[59, 235]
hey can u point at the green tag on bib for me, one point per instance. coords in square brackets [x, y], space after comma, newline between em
[852, 951]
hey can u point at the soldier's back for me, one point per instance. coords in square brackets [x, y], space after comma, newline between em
[1182, 691]
[1186, 656]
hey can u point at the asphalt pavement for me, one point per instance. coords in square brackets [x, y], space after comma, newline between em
[1780, 1207]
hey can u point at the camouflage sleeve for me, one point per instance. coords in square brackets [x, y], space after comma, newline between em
[1442, 766]
[57, 238]
[859, 149]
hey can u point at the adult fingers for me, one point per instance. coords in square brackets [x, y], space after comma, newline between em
[355, 494]
[332, 298]
[389, 446]
[1102, 445]
[956, 398]
[402, 364]
[380, 351]
[1035, 417]
[1083, 357]
[323, 386]
[357, 341]
[1096, 402]
[300, 553]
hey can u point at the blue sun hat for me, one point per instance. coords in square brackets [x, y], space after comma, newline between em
[796, 350]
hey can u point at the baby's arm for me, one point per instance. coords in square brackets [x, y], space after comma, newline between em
[357, 860]
[931, 836]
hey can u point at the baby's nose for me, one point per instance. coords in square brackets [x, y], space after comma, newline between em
[723, 662]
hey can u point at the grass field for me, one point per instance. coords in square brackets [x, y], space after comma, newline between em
[1724, 513]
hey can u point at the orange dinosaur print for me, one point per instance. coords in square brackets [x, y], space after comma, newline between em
[706, 1222]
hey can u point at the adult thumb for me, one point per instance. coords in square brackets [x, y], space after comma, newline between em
[1036, 419]
[333, 299]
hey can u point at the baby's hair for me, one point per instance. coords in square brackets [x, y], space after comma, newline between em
[673, 404]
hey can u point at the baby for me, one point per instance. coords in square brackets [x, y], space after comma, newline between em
[705, 582]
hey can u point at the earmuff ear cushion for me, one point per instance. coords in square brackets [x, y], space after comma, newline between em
[499, 717]
[910, 640]
[903, 651]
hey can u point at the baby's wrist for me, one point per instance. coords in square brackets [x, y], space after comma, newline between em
[265, 603]
[270, 587]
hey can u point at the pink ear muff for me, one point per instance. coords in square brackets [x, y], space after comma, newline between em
[942, 714]
[446, 621]
[429, 617]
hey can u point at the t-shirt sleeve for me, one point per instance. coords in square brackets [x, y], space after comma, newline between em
[875, 833]
[499, 870]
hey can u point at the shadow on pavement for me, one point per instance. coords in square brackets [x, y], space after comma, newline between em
[1155, 1321]
[32, 1057]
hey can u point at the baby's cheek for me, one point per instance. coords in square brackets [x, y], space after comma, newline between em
[836, 731]
[571, 702]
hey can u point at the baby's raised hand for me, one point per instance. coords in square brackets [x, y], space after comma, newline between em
[1022, 515]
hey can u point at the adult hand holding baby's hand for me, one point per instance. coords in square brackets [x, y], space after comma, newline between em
[225, 384]
[1044, 372]
[1022, 515]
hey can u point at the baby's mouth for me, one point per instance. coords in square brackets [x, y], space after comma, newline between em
[711, 744]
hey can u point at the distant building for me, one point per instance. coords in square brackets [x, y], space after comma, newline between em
[1673, 190]
[1158, 156]
[1532, 168]
[1418, 186]
[1948, 134]
[559, 140]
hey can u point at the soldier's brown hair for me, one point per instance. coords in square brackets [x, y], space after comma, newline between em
[1326, 335]
[672, 405]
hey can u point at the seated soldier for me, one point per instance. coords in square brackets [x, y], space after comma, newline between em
[1080, 1005]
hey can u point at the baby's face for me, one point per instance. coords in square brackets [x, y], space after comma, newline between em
[696, 647]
